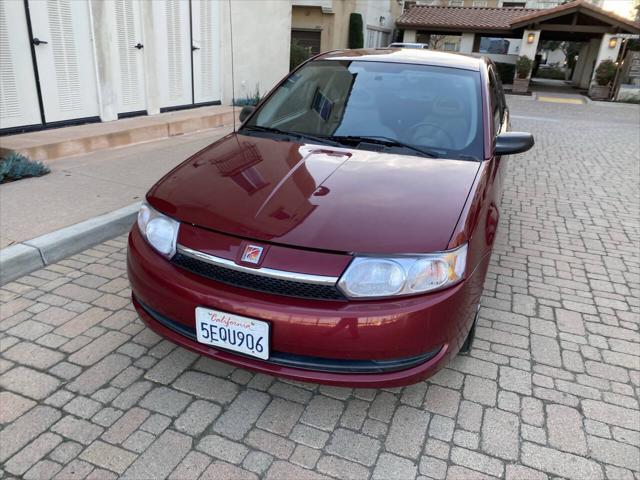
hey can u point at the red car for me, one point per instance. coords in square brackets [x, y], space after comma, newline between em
[342, 235]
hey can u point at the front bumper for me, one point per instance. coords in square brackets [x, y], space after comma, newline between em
[360, 343]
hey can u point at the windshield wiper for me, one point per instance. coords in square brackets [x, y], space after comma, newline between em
[387, 141]
[299, 135]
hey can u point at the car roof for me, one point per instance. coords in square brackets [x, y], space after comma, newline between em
[407, 55]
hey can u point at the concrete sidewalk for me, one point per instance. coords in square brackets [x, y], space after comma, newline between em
[82, 187]
[92, 137]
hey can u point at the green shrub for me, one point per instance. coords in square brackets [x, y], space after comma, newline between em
[553, 73]
[605, 72]
[298, 54]
[15, 166]
[523, 66]
[356, 33]
[506, 72]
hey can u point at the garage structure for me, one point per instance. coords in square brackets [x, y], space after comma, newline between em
[503, 34]
[66, 61]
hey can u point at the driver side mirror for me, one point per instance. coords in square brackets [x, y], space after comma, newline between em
[246, 111]
[508, 143]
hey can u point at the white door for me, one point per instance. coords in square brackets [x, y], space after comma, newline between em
[205, 22]
[18, 95]
[130, 65]
[66, 67]
[173, 46]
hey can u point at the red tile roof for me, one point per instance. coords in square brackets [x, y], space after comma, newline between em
[499, 19]
[461, 17]
[540, 15]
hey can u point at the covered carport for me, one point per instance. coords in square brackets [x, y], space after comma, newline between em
[598, 30]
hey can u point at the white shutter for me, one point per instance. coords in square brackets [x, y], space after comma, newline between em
[205, 22]
[131, 94]
[173, 49]
[65, 64]
[18, 94]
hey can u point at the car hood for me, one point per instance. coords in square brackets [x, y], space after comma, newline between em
[319, 197]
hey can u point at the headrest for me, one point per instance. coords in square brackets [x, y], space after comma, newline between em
[448, 106]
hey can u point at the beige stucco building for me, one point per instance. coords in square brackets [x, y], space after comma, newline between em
[323, 25]
[78, 61]
[504, 34]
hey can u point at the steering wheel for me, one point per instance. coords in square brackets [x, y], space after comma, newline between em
[413, 132]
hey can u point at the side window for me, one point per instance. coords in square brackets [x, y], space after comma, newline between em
[497, 104]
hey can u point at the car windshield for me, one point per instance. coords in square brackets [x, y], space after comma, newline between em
[420, 107]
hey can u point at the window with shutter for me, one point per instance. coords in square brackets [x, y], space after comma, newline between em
[66, 64]
[18, 94]
[205, 22]
[129, 41]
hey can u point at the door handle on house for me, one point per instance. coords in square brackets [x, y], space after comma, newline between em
[36, 41]
[139, 46]
[194, 48]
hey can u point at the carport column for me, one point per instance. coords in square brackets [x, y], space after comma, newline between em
[466, 42]
[528, 48]
[606, 51]
[529, 45]
[410, 36]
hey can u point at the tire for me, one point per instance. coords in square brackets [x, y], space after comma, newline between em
[468, 343]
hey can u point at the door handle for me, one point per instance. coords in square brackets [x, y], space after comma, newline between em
[36, 41]
[194, 48]
[139, 46]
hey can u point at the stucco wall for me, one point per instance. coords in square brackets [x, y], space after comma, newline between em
[334, 26]
[261, 42]
[629, 93]
[372, 11]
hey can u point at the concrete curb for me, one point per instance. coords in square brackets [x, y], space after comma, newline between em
[23, 258]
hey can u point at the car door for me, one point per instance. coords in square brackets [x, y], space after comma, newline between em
[500, 124]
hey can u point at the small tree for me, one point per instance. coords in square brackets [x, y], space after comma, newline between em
[523, 66]
[298, 54]
[605, 72]
[356, 33]
[436, 41]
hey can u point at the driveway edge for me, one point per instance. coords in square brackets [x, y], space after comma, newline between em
[25, 257]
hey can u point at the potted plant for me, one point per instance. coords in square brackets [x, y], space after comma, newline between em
[605, 74]
[523, 68]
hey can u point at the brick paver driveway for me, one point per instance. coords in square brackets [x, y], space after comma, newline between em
[550, 389]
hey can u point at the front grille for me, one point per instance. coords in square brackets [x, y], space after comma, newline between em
[305, 362]
[258, 283]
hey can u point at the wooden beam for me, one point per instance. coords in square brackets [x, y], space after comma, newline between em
[576, 28]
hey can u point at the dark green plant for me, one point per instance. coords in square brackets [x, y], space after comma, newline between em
[298, 54]
[356, 32]
[505, 71]
[551, 44]
[605, 72]
[15, 166]
[570, 50]
[523, 66]
[554, 73]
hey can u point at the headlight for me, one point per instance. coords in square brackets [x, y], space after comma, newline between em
[375, 277]
[159, 230]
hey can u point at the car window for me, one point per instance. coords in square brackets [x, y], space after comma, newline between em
[435, 108]
[497, 100]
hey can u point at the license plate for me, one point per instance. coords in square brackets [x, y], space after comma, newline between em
[233, 332]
